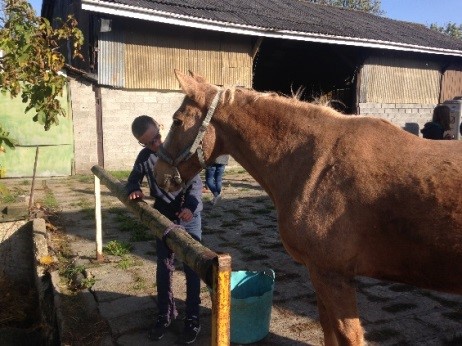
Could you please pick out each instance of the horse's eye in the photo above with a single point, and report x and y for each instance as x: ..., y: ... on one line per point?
x: 177, y: 122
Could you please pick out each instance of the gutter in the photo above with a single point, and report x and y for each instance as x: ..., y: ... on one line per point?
x: 208, y: 24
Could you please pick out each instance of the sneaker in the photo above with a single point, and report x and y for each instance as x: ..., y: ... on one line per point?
x: 158, y: 331
x: 192, y: 327
x: 216, y: 199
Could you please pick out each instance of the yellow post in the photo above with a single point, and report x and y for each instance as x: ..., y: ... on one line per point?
x: 221, y: 301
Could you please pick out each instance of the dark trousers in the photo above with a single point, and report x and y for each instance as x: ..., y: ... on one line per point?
x: 165, y: 268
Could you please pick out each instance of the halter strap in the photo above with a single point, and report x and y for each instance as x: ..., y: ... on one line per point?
x: 196, y: 146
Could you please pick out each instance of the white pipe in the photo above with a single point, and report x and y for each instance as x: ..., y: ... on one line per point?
x: 99, y: 228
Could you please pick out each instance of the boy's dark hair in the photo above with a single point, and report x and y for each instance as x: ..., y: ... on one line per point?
x: 141, y: 123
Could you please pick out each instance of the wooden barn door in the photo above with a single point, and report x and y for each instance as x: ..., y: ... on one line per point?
x: 451, y: 83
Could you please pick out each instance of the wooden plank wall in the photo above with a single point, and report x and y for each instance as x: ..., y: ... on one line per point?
x: 451, y: 85
x: 389, y: 80
x: 151, y: 56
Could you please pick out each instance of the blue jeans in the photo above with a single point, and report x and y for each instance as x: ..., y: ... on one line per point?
x: 214, y: 178
x: 165, y: 268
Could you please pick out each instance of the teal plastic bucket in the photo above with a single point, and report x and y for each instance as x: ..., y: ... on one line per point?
x: 251, y: 302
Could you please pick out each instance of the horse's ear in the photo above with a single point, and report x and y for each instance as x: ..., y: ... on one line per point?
x: 191, y: 86
x: 200, y: 79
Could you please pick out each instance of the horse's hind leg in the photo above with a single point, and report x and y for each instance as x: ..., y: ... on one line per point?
x: 338, y: 312
x: 327, y: 328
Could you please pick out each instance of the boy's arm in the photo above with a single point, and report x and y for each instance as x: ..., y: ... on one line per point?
x: 135, y: 178
x: 194, y: 194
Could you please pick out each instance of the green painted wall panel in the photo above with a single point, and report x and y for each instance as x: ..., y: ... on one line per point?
x: 56, y: 151
x: 51, y: 161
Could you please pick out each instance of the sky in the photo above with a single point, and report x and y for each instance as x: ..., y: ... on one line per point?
x: 424, y: 12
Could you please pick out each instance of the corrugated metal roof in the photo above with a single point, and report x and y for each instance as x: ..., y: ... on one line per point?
x: 289, y: 19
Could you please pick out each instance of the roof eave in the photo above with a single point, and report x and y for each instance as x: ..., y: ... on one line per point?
x: 207, y: 24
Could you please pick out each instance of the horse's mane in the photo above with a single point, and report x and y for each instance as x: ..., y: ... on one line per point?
x: 229, y: 93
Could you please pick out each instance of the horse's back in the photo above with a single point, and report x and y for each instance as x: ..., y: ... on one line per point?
x: 390, y: 202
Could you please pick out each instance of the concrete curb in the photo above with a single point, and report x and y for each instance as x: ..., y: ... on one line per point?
x: 51, y: 297
x: 49, y: 313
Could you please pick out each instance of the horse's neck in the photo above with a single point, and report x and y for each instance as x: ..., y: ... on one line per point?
x: 262, y: 140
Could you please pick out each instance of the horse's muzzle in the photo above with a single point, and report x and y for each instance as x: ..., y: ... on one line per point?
x: 169, y: 182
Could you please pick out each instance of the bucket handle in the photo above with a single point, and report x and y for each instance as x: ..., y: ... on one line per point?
x: 268, y: 272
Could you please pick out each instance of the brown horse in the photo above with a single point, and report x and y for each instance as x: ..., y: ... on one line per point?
x: 354, y: 195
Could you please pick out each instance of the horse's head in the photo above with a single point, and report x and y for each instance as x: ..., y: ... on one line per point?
x: 191, y: 140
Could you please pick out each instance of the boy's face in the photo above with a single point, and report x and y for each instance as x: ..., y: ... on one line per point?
x: 151, y: 138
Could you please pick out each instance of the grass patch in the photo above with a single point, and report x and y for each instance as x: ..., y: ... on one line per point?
x: 83, y: 203
x: 49, y: 200
x: 139, y: 282
x: 120, y: 175
x: 117, y: 248
x: 9, y: 195
x: 141, y: 235
x: 127, y: 262
x: 76, y: 277
x: 116, y: 210
x: 139, y: 232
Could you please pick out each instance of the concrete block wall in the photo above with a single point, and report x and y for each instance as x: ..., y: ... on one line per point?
x: 409, y: 116
x: 84, y: 122
x: 120, y: 107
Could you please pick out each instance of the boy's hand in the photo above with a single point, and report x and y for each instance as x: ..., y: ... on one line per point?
x: 136, y: 194
x: 185, y: 215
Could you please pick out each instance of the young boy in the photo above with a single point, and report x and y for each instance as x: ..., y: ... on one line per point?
x: 181, y: 208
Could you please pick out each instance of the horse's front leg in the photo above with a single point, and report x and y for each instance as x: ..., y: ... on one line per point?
x: 338, y: 312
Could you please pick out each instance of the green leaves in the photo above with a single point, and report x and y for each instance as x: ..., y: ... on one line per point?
x: 451, y: 29
x: 6, y: 139
x: 31, y: 61
x: 371, y: 6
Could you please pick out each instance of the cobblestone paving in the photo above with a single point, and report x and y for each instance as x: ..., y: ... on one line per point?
x: 244, y: 225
